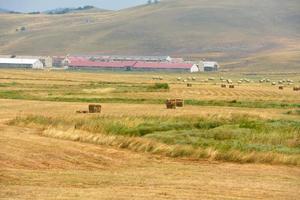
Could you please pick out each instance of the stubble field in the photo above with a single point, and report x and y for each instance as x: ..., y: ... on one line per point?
x: 240, y: 143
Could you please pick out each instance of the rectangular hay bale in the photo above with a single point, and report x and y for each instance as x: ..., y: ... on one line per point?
x: 179, y: 102
x: 171, y: 104
x: 95, y: 108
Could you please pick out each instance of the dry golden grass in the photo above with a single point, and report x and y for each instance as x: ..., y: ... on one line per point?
x: 33, y: 166
x: 12, y: 108
x: 42, y: 83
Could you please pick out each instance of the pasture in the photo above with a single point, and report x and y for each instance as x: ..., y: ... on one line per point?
x: 221, y: 134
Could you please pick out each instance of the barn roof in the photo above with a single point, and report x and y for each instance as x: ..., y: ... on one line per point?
x: 18, y: 61
x: 83, y: 62
x: 210, y: 64
x: 124, y: 57
x: 163, y: 65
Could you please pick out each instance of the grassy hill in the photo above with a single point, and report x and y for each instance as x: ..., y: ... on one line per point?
x: 243, y: 35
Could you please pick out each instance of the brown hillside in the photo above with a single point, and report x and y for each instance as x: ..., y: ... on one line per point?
x: 240, y: 34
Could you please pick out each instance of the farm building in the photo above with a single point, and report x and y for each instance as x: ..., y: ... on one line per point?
x: 208, y: 66
x: 177, y: 60
x: 21, y: 63
x: 46, y: 60
x: 84, y: 63
x: 129, y: 58
x: 59, y: 61
x: 166, y: 66
x: 76, y: 62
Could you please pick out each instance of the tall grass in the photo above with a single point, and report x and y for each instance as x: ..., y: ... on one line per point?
x: 238, y: 138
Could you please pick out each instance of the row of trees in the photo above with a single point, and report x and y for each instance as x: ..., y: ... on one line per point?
x: 67, y: 10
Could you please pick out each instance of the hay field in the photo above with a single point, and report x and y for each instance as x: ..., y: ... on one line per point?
x: 137, y: 149
x: 105, y: 85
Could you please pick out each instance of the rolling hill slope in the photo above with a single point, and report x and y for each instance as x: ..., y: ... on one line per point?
x: 243, y: 35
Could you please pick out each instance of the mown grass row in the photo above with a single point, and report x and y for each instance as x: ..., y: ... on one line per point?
x: 237, y: 139
x: 18, y: 94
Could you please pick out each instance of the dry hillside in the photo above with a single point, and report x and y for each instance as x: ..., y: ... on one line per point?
x: 250, y: 35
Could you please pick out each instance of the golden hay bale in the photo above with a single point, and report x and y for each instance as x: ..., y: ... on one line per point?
x: 231, y: 86
x: 95, y: 108
x: 189, y: 85
x: 171, y: 103
x: 296, y: 88
x: 179, y: 102
x: 223, y: 86
x: 280, y: 87
x: 174, y: 103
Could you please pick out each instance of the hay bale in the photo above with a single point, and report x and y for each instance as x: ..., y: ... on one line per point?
x: 189, y: 85
x: 171, y: 103
x: 296, y: 88
x: 280, y: 87
x: 194, y: 78
x: 174, y: 103
x: 223, y: 86
x: 95, y: 108
x: 273, y: 83
x: 231, y: 86
x: 179, y: 103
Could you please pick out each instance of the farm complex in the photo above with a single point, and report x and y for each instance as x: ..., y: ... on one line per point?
x: 150, y: 100
x: 128, y: 63
x: 106, y: 133
x: 105, y: 126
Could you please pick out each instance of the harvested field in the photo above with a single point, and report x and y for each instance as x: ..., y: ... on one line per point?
x: 83, y: 171
x: 50, y: 152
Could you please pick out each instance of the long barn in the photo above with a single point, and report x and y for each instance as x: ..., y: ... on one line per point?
x: 21, y: 63
x: 83, y: 63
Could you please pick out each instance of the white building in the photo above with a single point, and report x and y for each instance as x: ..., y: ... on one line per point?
x: 208, y: 66
x: 46, y: 60
x: 194, y: 68
x: 21, y: 63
